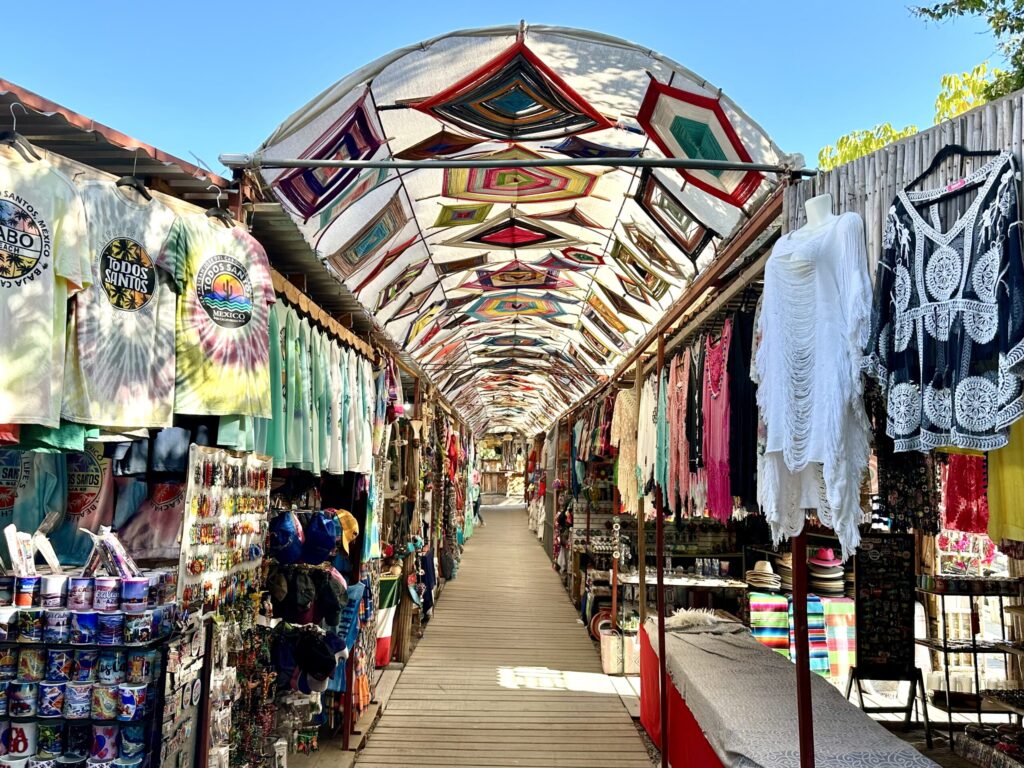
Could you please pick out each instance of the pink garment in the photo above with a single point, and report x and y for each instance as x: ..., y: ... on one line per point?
x: 716, y: 423
x: 679, y: 448
x: 965, y: 480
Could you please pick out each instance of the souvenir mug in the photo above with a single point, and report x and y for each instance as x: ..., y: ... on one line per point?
x: 133, y: 740
x: 104, y: 702
x: 85, y: 666
x: 153, y: 598
x: 22, y: 739
x: 60, y: 665
x: 104, y: 741
x: 110, y: 628
x: 132, y: 701
x: 30, y: 625
x: 84, y: 627
x: 26, y: 591
x: 56, y: 625
x: 53, y: 590
x: 128, y: 762
x: 13, y: 761
x: 6, y: 590
x: 51, y: 738
x: 78, y: 740
x: 8, y: 663
x: 77, y: 701
x: 4, y: 727
x: 107, y: 593
x: 39, y: 760
x: 96, y: 762
x: 112, y: 667
x: 31, y: 664
x: 140, y: 667
x: 134, y: 593
x: 3, y: 703
x: 138, y: 627
x: 51, y: 699
x: 22, y: 698
x: 80, y: 593
x: 9, y: 623
x: 71, y: 760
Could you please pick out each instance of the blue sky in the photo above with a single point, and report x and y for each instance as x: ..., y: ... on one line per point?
x: 216, y: 77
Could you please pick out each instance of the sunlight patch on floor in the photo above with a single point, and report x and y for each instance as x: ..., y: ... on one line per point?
x: 544, y: 679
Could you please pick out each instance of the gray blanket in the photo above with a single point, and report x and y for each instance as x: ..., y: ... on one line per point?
x: 743, y: 695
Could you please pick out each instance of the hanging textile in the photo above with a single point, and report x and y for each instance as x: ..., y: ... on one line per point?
x: 814, y: 324
x: 908, y: 493
x: 716, y: 423
x: 647, y: 434
x: 623, y: 437
x: 947, y: 328
x: 742, y: 412
x: 1005, y: 491
x: 662, y: 436
x: 769, y: 621
x: 964, y: 480
x: 816, y: 635
x: 678, y: 457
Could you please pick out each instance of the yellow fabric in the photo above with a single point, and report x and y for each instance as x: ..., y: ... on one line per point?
x: 1006, y: 488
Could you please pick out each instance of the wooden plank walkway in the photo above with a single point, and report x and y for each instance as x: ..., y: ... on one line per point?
x: 505, y: 675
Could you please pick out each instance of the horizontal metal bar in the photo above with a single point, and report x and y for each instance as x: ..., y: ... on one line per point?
x: 256, y: 161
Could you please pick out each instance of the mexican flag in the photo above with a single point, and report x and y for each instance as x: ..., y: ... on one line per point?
x: 386, y: 617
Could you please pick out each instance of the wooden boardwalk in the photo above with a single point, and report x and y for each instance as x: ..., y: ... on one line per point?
x: 505, y: 674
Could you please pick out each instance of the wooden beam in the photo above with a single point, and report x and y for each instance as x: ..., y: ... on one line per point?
x: 303, y: 303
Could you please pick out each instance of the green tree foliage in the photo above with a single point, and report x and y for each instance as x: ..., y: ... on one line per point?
x: 965, y: 91
x: 1006, y: 20
x: 859, y: 143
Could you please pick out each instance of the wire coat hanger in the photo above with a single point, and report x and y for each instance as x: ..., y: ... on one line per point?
x: 218, y: 212
x: 14, y: 139
x: 948, y: 151
x: 133, y: 181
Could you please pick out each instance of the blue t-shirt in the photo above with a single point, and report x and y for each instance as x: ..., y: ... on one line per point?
x: 32, y: 484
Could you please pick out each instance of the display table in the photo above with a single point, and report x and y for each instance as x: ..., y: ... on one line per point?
x: 732, y: 704
x: 693, y: 582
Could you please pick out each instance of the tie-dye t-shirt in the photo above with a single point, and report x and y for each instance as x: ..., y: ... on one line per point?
x: 43, y: 261
x: 120, y: 365
x: 90, y: 504
x: 225, y: 293
x: 32, y: 485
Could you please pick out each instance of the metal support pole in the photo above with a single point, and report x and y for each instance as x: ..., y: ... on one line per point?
x: 659, y: 512
x: 257, y: 161
x: 641, y: 531
x: 805, y: 717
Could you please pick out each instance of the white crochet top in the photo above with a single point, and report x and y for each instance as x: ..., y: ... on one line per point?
x: 813, y: 327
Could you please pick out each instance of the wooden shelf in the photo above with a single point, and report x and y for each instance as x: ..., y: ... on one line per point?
x: 1004, y: 706
x: 982, y: 646
x: 925, y: 591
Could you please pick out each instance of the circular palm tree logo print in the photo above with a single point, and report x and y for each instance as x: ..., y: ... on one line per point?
x: 128, y: 275
x: 225, y: 291
x: 21, y: 243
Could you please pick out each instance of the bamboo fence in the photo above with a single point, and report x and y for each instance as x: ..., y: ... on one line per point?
x: 869, y: 184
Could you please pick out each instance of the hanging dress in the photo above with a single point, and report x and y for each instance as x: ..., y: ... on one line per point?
x: 695, y: 428
x: 964, y: 480
x: 716, y: 423
x: 742, y: 412
x: 947, y: 339
x: 813, y: 327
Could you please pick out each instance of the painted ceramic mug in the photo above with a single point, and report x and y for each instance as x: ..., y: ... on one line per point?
x: 110, y: 628
x: 134, y: 593
x: 31, y: 664
x: 140, y: 667
x: 22, y: 739
x: 104, y: 702
x: 56, y: 625
x: 22, y: 698
x: 132, y: 702
x: 80, y: 593
x: 85, y: 666
x: 8, y: 663
x: 78, y: 739
x: 30, y: 625
x: 26, y: 591
x: 8, y: 623
x: 53, y: 590
x: 112, y: 667
x: 84, y: 627
x: 51, y: 699
x: 51, y: 738
x: 138, y: 627
x: 60, y: 665
x: 104, y: 741
x: 133, y: 740
x: 77, y: 701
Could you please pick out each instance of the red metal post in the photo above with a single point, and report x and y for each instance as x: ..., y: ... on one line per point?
x: 805, y: 716
x: 659, y: 565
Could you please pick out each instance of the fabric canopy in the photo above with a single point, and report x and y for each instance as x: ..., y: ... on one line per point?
x: 517, y: 289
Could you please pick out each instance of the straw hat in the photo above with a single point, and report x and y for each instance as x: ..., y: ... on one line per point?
x: 825, y: 556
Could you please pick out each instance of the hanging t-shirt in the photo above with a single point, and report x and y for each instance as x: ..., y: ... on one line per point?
x: 223, y: 350
x: 43, y: 262
x: 120, y: 363
x: 276, y: 442
x: 155, y: 530
x: 90, y: 504
x: 31, y: 486
x: 293, y: 397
